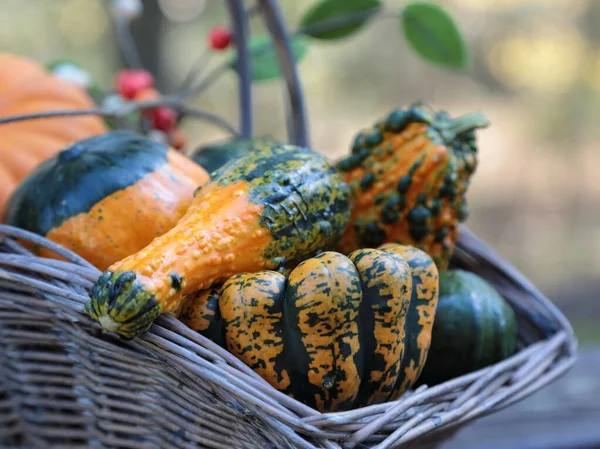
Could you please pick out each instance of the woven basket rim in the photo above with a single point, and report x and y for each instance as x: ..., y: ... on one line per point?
x: 416, y: 416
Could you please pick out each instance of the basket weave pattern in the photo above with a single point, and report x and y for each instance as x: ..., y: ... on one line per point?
x: 64, y: 383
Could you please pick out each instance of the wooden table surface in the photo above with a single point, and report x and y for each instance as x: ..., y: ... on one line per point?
x: 563, y: 415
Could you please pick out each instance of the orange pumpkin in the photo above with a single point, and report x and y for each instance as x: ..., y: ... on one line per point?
x: 27, y: 87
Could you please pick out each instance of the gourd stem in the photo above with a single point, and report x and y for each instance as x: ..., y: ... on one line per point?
x: 466, y: 123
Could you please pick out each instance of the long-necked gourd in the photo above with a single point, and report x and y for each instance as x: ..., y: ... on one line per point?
x: 264, y: 210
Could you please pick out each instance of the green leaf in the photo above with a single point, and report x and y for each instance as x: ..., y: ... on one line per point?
x: 434, y: 35
x: 265, y: 62
x: 336, y: 19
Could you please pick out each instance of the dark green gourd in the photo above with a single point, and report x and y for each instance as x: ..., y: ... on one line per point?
x: 474, y: 327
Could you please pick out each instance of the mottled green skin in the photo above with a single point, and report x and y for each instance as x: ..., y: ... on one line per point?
x: 306, y: 202
x: 305, y: 206
x: 214, y: 156
x: 120, y: 296
x: 474, y: 328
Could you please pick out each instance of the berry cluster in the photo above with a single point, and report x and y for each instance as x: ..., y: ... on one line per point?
x: 138, y: 85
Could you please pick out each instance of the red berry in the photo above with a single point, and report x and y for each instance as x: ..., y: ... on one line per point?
x: 129, y: 82
x: 164, y: 119
x: 219, y: 38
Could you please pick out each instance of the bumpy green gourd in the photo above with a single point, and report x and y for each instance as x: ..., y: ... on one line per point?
x: 409, y: 174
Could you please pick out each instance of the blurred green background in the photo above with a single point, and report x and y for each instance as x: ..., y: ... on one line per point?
x: 535, y: 73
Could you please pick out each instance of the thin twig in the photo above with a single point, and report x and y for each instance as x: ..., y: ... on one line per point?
x: 111, y: 111
x: 187, y: 111
x: 253, y: 11
x: 174, y: 101
x: 60, y: 113
x: 213, y: 76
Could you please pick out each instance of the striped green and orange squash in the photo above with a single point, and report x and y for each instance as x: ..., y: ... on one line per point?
x: 409, y: 174
x: 200, y: 311
x: 422, y: 311
x: 107, y: 196
x: 266, y: 209
x: 339, y: 332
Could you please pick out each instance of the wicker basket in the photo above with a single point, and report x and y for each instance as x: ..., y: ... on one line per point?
x: 65, y: 384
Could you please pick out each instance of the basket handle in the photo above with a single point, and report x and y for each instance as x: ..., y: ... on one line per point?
x: 296, y: 116
x: 297, y: 127
x: 239, y: 26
